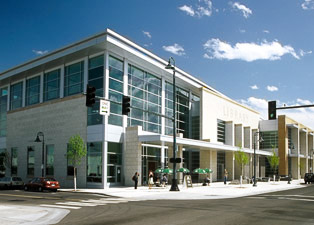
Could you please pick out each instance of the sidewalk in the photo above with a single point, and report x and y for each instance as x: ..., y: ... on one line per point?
x: 216, y: 190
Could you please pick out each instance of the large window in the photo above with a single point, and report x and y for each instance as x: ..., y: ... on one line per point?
x: 114, y: 162
x: 95, y: 79
x: 30, y: 161
x: 195, y: 117
x: 70, y: 167
x: 94, y: 162
x: 3, y: 158
x: 52, y: 85
x: 270, y: 140
x: 145, y: 92
x: 16, y: 94
x: 32, y: 90
x: 14, y: 161
x: 50, y: 160
x: 221, y: 131
x: 3, y: 111
x: 115, y: 90
x: 182, y: 111
x: 74, y: 79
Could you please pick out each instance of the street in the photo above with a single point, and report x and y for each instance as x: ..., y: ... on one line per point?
x: 284, y: 207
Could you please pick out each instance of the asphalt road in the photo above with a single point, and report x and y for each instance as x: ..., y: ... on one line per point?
x: 286, y: 207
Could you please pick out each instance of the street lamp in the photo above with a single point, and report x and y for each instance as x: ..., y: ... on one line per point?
x: 289, y: 162
x: 311, y: 160
x: 254, y: 144
x: 174, y: 185
x: 43, y: 152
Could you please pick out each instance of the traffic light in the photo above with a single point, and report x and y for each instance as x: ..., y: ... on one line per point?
x: 90, y: 96
x: 272, y: 110
x: 126, y: 105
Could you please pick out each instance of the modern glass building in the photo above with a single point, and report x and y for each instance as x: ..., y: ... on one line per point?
x: 46, y: 95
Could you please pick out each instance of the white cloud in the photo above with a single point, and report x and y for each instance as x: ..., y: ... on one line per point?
x: 188, y: 9
x: 174, y: 49
x: 266, y: 31
x: 242, y: 31
x: 249, y: 52
x: 304, y: 116
x: 204, y: 8
x: 272, y: 88
x: 303, y: 53
x: 254, y: 87
x: 147, y: 34
x: 39, y: 52
x: 245, y: 10
x: 308, y: 4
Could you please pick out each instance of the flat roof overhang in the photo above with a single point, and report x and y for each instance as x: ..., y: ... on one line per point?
x: 195, y: 144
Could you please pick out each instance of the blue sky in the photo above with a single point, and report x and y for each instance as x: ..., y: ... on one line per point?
x: 252, y: 51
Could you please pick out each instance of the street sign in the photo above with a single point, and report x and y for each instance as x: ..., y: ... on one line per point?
x: 104, y: 107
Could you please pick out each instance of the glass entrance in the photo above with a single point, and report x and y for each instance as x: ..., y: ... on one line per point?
x: 118, y: 175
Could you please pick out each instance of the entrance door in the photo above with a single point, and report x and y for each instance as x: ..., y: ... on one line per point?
x: 118, y: 174
x: 220, y: 172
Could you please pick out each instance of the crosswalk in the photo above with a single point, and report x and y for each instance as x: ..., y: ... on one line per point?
x: 87, y: 203
x: 305, y: 198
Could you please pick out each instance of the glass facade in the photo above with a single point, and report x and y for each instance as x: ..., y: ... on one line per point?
x: 115, y: 90
x: 221, y: 131
x: 114, y: 162
x: 2, y: 162
x: 3, y: 111
x: 182, y: 111
x: 16, y: 95
x: 30, y: 161
x: 195, y: 117
x: 14, y: 161
x: 270, y: 140
x: 32, y: 91
x: 94, y: 162
x: 50, y: 160
x: 221, y: 161
x: 73, y: 79
x: 145, y: 91
x: 52, y: 85
x: 95, y: 79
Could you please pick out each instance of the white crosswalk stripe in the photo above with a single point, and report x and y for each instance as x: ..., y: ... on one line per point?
x: 304, y: 198
x: 89, y: 203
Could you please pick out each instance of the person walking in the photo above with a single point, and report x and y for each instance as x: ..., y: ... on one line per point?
x: 150, y: 179
x: 135, y: 179
x: 225, y: 176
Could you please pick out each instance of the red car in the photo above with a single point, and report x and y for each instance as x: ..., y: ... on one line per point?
x: 42, y: 183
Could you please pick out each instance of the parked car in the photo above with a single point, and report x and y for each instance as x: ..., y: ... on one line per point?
x: 308, y: 177
x: 11, y: 182
x: 41, y: 184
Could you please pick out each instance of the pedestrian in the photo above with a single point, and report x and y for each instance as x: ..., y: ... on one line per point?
x: 150, y: 179
x: 164, y: 180
x: 135, y: 179
x: 225, y: 176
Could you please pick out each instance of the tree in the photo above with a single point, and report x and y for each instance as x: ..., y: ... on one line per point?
x: 242, y: 158
x: 273, y: 161
x: 5, y: 162
x: 76, y: 151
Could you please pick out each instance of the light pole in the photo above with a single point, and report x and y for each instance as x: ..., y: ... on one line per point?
x: 174, y: 185
x: 254, y: 144
x: 289, y: 162
x: 311, y: 160
x: 43, y: 152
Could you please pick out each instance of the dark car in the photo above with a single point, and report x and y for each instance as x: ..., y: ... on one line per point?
x: 41, y: 184
x: 308, y: 178
x: 11, y: 182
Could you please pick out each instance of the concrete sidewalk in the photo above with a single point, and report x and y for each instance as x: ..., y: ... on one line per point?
x: 216, y: 190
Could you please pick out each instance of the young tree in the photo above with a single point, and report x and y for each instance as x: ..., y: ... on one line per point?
x: 242, y: 158
x: 76, y: 151
x: 273, y: 161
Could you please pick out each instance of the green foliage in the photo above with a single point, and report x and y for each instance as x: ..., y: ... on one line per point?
x: 76, y: 150
x: 273, y: 161
x: 242, y: 158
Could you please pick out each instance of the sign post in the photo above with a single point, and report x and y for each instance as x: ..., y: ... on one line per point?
x: 104, y: 108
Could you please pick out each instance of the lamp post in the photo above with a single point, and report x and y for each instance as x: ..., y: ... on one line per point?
x: 174, y: 185
x: 289, y: 166
x: 43, y: 152
x: 311, y: 160
x: 254, y: 144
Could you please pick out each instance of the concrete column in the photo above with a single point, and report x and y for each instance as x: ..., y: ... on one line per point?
x: 295, y: 169
x: 62, y: 72
x: 163, y: 104
x: 125, y: 87
x: 238, y: 140
x: 85, y: 75
x: 247, y: 137
x: 230, y: 165
x: 162, y: 154
x: 213, y: 165
x: 133, y: 155
x: 41, y: 87
x: 24, y: 92
x: 9, y: 98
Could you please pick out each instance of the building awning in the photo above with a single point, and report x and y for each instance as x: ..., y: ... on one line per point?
x: 195, y: 144
x: 293, y: 125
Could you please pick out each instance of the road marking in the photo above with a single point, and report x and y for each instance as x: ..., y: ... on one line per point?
x: 76, y: 203
x: 257, y: 197
x: 61, y: 206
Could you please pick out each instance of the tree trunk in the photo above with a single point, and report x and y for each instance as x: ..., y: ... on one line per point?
x: 74, y: 178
